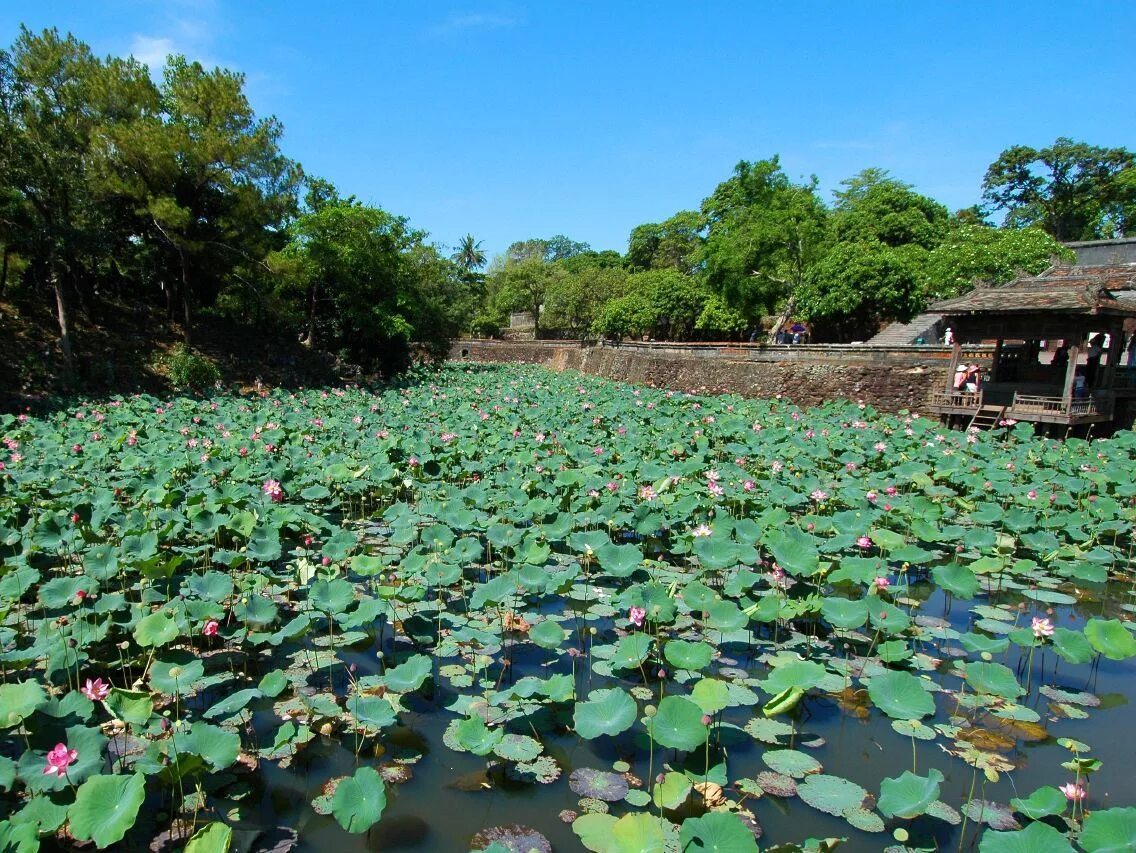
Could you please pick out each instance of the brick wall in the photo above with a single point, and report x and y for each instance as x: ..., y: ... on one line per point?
x: 890, y: 379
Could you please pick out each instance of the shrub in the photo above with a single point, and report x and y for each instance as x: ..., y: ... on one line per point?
x: 186, y: 369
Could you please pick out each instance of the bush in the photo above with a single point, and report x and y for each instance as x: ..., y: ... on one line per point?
x: 186, y: 369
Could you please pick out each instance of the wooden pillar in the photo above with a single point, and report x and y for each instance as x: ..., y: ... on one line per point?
x: 956, y: 356
x: 996, y: 359
x: 1107, y: 374
x: 1071, y: 369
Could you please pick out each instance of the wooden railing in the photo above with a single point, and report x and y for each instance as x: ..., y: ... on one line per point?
x: 955, y: 399
x: 1031, y: 404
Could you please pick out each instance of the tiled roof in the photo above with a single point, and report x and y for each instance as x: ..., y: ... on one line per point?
x: 1112, y: 276
x: 1072, y: 294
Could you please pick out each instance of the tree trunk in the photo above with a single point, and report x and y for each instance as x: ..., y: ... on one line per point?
x: 310, y: 337
x: 4, y: 272
x: 64, y: 325
x: 787, y: 315
x: 187, y: 319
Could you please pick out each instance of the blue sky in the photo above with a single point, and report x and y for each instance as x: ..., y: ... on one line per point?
x: 513, y: 120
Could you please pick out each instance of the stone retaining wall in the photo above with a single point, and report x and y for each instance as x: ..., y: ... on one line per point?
x: 888, y: 378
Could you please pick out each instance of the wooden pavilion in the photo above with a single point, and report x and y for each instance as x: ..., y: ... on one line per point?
x: 1025, y: 318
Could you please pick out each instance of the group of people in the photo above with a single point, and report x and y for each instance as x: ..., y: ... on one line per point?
x: 968, y: 377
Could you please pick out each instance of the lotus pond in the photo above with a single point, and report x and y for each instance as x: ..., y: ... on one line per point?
x: 504, y: 609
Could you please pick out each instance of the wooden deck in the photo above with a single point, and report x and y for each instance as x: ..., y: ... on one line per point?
x: 1034, y: 408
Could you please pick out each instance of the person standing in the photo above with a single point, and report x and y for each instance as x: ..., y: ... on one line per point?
x: 1093, y: 360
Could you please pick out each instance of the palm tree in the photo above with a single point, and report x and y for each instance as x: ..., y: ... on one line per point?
x: 469, y: 255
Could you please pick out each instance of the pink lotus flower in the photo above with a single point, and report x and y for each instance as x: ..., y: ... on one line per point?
x: 1072, y: 791
x: 1041, y: 628
x: 96, y: 690
x: 864, y: 542
x: 819, y: 495
x: 274, y: 490
x: 749, y: 485
x: 59, y: 759
x: 1032, y: 494
x: 881, y: 583
x: 637, y: 615
x: 701, y: 530
x: 872, y: 497
x: 210, y: 629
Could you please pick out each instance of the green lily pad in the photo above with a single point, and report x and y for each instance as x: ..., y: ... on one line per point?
x: 106, y: 807
x: 721, y: 832
x: 908, y: 795
x: 609, y: 711
x: 548, y: 634
x: 672, y: 791
x: 476, y: 737
x: 359, y: 800
x: 901, y: 696
x: 791, y: 762
x: 1110, y: 638
x: 1109, y: 831
x: 993, y: 679
x: 830, y: 794
x: 1035, y: 838
x: 687, y: 655
x: 678, y: 724
x: 19, y: 701
x: 1043, y: 802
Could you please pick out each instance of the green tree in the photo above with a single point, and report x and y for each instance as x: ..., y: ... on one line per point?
x: 57, y: 102
x: 359, y: 281
x: 209, y: 179
x: 573, y: 300
x: 524, y: 285
x: 468, y: 255
x: 557, y: 248
x: 861, y: 285
x: 662, y: 303
x: 973, y: 254
x: 764, y: 234
x: 875, y: 207
x: 675, y: 243
x: 1072, y: 190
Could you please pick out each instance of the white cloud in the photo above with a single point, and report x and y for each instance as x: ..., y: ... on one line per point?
x: 152, y: 52
x: 476, y: 21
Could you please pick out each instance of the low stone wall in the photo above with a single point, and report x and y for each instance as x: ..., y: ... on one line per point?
x: 888, y: 378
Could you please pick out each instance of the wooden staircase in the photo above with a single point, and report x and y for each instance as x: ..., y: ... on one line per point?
x: 986, y: 417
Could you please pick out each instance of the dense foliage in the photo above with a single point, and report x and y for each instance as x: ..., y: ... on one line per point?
x: 114, y: 187
x: 499, y: 576
x: 117, y: 190
x: 764, y: 249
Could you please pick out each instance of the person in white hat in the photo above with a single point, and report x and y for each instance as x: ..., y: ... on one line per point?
x: 972, y: 378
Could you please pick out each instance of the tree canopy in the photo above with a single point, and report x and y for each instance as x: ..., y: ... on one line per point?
x: 1072, y: 190
x: 117, y: 187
